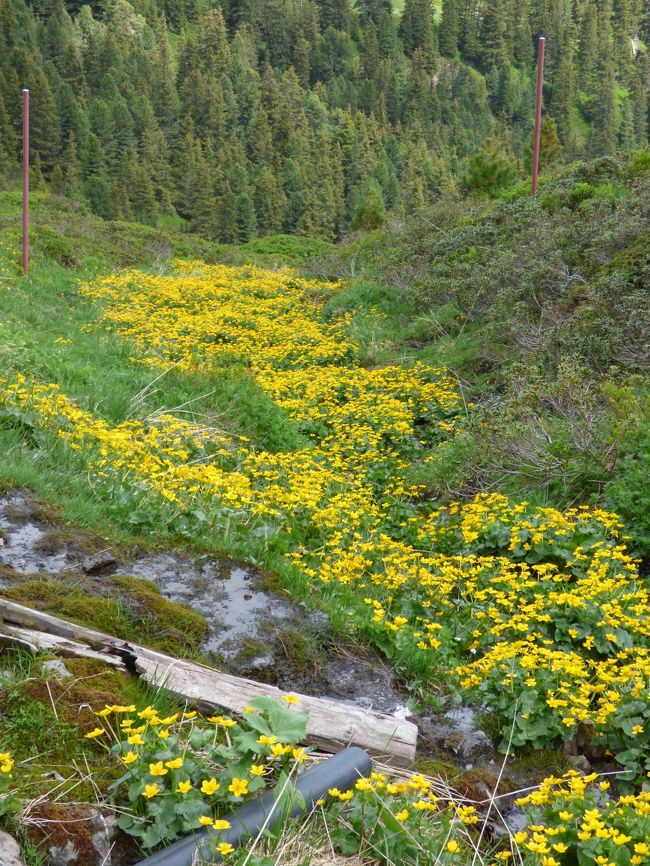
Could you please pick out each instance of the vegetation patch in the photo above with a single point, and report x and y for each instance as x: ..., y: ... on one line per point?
x: 126, y: 607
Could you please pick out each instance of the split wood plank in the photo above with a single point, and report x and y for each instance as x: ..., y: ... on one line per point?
x: 332, y: 725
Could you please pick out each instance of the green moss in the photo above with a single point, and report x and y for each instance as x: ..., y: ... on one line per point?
x: 439, y: 766
x: 43, y: 722
x: 135, y: 612
x: 537, y: 764
x: 57, y: 539
x: 172, y: 626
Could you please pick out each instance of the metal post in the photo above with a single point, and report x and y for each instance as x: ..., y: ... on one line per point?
x: 538, y: 113
x: 25, y: 182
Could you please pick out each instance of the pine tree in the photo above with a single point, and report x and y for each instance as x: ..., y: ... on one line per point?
x: 603, y: 133
x: 416, y: 29
x: 370, y: 213
x: 449, y: 28
x: 270, y: 202
x: 492, y: 35
x: 45, y: 132
x: 491, y: 169
x: 550, y: 149
x: 335, y: 13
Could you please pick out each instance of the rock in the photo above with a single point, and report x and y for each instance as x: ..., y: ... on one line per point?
x: 9, y: 851
x: 454, y: 732
x: 513, y: 821
x: 55, y: 668
x: 262, y: 663
x: 80, y: 834
x: 95, y: 563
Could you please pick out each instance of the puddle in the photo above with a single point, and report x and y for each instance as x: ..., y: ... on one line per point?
x: 21, y: 538
x: 253, y: 631
x: 239, y: 611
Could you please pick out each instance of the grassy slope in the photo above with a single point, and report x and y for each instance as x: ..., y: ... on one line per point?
x: 70, y: 245
x: 541, y: 309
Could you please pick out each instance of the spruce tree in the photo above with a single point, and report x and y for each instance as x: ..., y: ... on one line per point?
x: 370, y: 213
x: 449, y: 28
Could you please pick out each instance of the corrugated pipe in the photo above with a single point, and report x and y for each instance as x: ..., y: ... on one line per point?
x: 341, y: 771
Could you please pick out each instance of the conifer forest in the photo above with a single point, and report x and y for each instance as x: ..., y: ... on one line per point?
x: 241, y: 119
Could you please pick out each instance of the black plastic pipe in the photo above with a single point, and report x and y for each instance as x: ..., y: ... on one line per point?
x: 342, y: 772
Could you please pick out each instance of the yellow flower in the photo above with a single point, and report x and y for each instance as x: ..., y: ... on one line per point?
x: 7, y: 766
x: 257, y: 769
x: 148, y: 713
x: 169, y: 720
x: 221, y: 824
x: 452, y: 845
x: 105, y: 712
x: 97, y: 732
x: 263, y: 740
x: 299, y: 755
x: 225, y: 848
x: 135, y: 740
x: 402, y: 815
x: 163, y: 734
x: 174, y: 764
x: 238, y: 787
x: 291, y: 699
x: 206, y: 820
x: 130, y: 757
x: 191, y: 715
x: 157, y: 769
x: 184, y: 787
x: 209, y: 786
x: 151, y: 790
x: 278, y: 750
x: 249, y: 709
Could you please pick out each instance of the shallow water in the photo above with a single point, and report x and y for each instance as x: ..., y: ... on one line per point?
x: 250, y: 626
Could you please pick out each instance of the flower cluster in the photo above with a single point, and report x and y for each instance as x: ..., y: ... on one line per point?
x: 573, y: 819
x: 8, y: 802
x: 536, y: 612
x: 183, y: 771
x: 402, y: 820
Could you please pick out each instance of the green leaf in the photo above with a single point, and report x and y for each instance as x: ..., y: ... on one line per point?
x: 346, y: 841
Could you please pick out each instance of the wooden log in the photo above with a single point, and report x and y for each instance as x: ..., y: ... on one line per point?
x: 39, y: 641
x: 332, y: 725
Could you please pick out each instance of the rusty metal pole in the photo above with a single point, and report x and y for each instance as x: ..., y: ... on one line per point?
x: 538, y: 112
x: 25, y: 182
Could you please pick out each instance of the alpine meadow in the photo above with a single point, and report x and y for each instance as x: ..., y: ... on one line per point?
x: 324, y: 433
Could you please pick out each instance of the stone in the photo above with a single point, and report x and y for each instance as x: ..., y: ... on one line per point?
x: 513, y: 821
x: 55, y: 668
x: 80, y: 834
x: 456, y: 732
x: 9, y: 851
x: 99, y: 561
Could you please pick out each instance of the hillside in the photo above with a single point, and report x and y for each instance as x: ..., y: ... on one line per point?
x: 420, y: 439
x: 240, y: 119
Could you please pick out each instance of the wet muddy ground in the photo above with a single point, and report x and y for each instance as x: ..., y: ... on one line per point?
x: 258, y: 632
x: 253, y: 630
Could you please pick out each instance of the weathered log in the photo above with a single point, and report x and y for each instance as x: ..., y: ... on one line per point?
x: 38, y: 641
x: 332, y: 725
